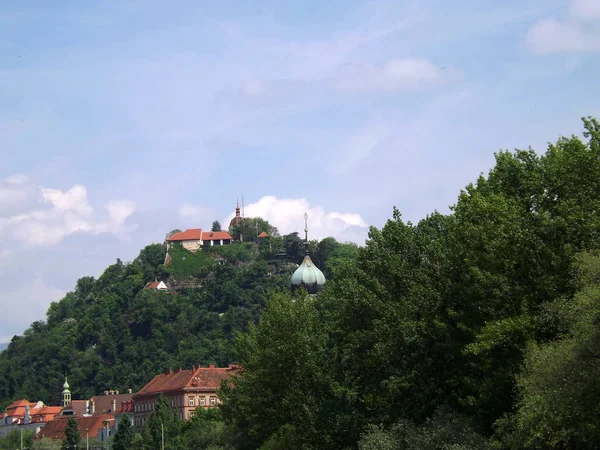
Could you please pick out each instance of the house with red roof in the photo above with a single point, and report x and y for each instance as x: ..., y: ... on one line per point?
x: 193, y: 239
x: 90, y: 427
x: 27, y: 415
x: 185, y: 390
x: 156, y: 286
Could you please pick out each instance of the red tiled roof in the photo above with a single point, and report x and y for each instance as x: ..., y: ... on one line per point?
x: 152, y: 285
x: 45, y: 414
x: 55, y: 429
x: 125, y: 407
x: 191, y: 234
x: 198, y: 377
x: 215, y: 235
x: 79, y: 407
x: 263, y: 234
x: 102, y: 403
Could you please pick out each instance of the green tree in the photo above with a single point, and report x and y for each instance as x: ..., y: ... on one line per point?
x: 205, y: 430
x: 163, y: 423
x: 284, y: 378
x: 72, y: 436
x: 125, y: 434
x: 12, y: 440
x: 216, y: 226
x: 559, y: 389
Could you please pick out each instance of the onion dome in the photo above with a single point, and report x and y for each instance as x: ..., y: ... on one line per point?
x: 237, y: 219
x: 308, y: 276
x: 66, y: 385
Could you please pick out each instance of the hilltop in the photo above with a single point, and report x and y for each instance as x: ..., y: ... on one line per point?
x: 111, y: 333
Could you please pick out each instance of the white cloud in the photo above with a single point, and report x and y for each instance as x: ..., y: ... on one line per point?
x: 578, y: 32
x: 288, y: 216
x: 48, y: 215
x: 120, y: 210
x: 585, y: 9
x: 396, y: 74
x: 75, y: 199
x: 553, y: 36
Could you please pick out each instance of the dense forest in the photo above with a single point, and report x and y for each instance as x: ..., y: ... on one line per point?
x: 110, y: 333
x: 475, y: 329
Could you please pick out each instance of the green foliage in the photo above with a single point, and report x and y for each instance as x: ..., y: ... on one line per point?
x: 285, y: 376
x: 444, y: 431
x: 12, y: 440
x: 250, y: 227
x: 559, y: 391
x: 109, y: 333
x: 125, y: 434
x: 431, y: 336
x: 72, y: 436
x: 163, y: 424
x: 186, y: 264
x: 205, y: 430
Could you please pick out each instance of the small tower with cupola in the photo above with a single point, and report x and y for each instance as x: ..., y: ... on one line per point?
x: 66, y: 393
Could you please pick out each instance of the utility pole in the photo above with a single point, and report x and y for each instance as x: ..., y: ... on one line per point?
x: 87, y: 439
x: 162, y: 437
x: 21, y: 438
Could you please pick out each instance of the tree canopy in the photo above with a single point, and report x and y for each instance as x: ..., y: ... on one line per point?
x: 469, y: 330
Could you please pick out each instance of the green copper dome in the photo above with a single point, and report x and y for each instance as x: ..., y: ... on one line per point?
x: 308, y: 275
x: 66, y: 385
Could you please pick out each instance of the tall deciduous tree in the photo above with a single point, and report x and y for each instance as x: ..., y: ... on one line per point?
x: 216, y: 226
x: 279, y: 396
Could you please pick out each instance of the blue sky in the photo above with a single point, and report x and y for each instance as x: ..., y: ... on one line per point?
x: 120, y: 121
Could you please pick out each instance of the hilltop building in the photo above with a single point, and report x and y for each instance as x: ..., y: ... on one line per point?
x: 193, y: 239
x: 307, y: 275
x: 156, y: 286
x: 185, y: 390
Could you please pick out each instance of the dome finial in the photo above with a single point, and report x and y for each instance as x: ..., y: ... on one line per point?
x: 306, y: 233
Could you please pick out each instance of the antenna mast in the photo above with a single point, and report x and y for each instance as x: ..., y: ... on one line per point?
x: 243, y: 213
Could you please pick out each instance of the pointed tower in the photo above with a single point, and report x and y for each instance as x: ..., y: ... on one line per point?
x: 236, y: 220
x: 308, y: 276
x: 66, y: 393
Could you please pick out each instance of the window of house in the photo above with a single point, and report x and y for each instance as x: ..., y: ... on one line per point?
x: 191, y: 401
x: 213, y: 401
x: 202, y: 401
x: 192, y: 414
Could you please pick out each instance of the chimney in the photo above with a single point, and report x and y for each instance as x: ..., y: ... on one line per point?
x: 116, y: 392
x: 113, y: 406
x: 129, y: 391
x: 92, y: 407
x: 105, y: 392
x: 211, y: 366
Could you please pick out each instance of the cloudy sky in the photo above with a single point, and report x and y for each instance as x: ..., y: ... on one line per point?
x: 120, y: 121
